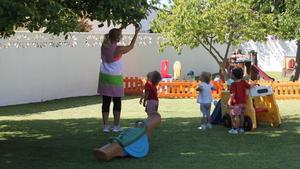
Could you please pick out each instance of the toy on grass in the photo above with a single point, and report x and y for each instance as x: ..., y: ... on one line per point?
x: 164, y: 69
x: 261, y: 107
x: 132, y: 142
x: 177, y: 70
x: 190, y: 76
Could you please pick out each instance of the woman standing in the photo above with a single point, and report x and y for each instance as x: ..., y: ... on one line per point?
x: 110, y: 78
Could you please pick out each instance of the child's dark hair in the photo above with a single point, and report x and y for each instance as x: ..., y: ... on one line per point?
x: 237, y: 73
x: 149, y: 74
x: 205, y: 77
x: 155, y: 77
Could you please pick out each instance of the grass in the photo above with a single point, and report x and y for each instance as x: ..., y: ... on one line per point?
x: 278, y: 76
x: 62, y: 134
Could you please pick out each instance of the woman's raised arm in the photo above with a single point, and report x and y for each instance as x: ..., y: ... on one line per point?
x: 125, y: 49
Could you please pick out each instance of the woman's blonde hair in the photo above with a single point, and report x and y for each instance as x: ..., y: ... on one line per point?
x: 106, y: 41
x: 113, y: 36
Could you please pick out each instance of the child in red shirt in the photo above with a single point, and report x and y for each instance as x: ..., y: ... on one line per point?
x: 146, y: 84
x: 237, y: 100
x: 150, y: 100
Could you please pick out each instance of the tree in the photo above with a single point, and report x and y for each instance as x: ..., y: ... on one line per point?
x: 209, y: 22
x: 287, y: 19
x: 289, y: 28
x: 62, y: 16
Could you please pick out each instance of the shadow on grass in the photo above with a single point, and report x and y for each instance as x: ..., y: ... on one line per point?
x: 176, y: 144
x: 59, y: 104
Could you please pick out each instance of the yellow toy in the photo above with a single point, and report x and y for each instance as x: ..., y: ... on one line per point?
x: 177, y: 70
x: 261, y: 107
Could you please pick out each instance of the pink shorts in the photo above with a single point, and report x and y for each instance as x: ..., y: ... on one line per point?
x: 152, y: 106
x: 237, y: 109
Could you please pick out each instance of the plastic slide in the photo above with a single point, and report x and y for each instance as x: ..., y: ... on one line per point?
x: 216, y: 116
x: 262, y: 74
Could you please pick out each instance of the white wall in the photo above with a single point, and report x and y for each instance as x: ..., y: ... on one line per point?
x: 271, y: 53
x: 39, y: 74
x: 145, y: 58
x: 32, y: 74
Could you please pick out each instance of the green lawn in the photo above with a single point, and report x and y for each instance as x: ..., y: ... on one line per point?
x: 278, y: 76
x: 62, y: 134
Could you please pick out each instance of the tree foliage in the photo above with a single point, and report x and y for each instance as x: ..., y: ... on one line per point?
x: 289, y: 28
x: 287, y: 18
x: 209, y: 22
x: 62, y: 16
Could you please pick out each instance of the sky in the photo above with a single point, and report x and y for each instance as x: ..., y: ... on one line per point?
x: 166, y: 2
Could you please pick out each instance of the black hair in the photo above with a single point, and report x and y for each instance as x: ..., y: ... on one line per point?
x: 149, y: 74
x: 155, y: 77
x: 238, y: 73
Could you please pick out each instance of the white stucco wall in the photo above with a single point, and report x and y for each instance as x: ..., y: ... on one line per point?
x: 29, y: 73
x: 32, y: 74
x: 271, y: 53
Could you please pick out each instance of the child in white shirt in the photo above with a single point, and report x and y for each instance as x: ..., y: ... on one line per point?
x: 205, y: 99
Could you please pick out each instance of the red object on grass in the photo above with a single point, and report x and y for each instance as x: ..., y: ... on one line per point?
x: 164, y: 69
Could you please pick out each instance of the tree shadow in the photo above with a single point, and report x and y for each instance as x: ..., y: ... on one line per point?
x: 52, y: 105
x: 176, y: 144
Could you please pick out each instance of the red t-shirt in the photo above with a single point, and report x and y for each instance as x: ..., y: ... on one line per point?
x: 239, y: 90
x: 151, y: 90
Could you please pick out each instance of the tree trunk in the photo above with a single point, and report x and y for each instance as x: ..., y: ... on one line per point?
x: 295, y: 76
x: 223, y: 71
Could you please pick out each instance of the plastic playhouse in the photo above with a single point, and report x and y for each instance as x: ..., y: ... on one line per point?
x: 261, y: 108
x: 249, y: 63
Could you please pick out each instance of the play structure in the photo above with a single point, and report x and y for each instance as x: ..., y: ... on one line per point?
x: 249, y: 63
x: 261, y: 107
x: 132, y: 142
x: 261, y: 73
